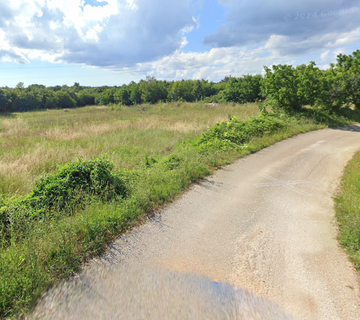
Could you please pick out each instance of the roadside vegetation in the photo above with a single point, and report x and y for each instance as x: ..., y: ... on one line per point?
x: 73, y: 180
x: 348, y: 210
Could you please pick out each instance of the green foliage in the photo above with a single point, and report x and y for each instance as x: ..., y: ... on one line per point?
x: 243, y: 90
x: 65, y: 100
x: 234, y: 132
x: 93, y: 177
x: 347, y: 71
x: 73, y: 186
x: 85, y: 98
x: 332, y: 96
x: 50, y: 245
x: 173, y: 161
x: 280, y: 84
x: 149, y: 161
x: 135, y: 93
x: 348, y: 210
x: 153, y: 91
x: 289, y: 89
x: 182, y: 91
x: 122, y: 96
x: 106, y: 97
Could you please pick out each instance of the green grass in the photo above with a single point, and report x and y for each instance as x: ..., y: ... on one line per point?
x: 158, y: 150
x: 35, y: 143
x: 348, y: 210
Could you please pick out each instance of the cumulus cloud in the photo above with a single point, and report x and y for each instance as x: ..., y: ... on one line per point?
x: 97, y: 32
x: 292, y: 25
x: 146, y: 37
x: 211, y: 65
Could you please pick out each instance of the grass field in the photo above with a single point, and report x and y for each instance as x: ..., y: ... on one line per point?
x: 35, y: 143
x: 156, y: 147
x: 348, y: 210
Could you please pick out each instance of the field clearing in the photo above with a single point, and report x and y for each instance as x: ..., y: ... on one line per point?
x: 157, y: 152
x: 36, y: 143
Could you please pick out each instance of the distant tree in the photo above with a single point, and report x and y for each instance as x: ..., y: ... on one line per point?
x: 85, y: 98
x: 20, y: 85
x: 226, y: 79
x: 50, y: 99
x: 153, y: 91
x: 106, y: 97
x: 182, y: 90
x: 242, y: 90
x: 135, y: 93
x: 5, y: 101
x: 64, y: 99
x: 122, y: 96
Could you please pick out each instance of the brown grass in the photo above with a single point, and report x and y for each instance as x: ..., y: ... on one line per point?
x: 35, y: 143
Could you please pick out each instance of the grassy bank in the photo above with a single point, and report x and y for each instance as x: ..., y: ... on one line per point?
x: 49, y: 226
x: 348, y: 210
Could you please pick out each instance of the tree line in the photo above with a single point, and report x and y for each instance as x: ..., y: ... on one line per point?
x: 286, y: 88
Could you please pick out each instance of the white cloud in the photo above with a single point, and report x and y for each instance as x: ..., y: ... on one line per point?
x: 212, y: 65
x: 115, y: 33
x: 148, y: 37
x: 252, y: 22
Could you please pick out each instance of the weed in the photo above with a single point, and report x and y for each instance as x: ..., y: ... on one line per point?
x: 348, y: 210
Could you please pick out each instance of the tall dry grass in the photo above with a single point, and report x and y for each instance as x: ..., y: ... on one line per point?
x: 35, y: 143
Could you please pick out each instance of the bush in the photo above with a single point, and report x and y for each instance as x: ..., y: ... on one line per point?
x: 93, y: 177
x: 73, y: 186
x: 233, y: 133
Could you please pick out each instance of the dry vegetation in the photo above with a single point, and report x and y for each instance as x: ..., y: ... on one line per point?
x: 36, y: 143
x: 50, y: 227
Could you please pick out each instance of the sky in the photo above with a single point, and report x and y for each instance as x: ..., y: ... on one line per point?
x: 114, y: 42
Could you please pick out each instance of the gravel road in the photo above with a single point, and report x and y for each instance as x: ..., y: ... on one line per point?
x: 261, y: 227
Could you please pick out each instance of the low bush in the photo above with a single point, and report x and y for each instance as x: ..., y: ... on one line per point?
x: 94, y: 177
x: 234, y: 132
x: 73, y: 186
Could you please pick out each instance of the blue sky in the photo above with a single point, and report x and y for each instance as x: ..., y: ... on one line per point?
x: 112, y: 42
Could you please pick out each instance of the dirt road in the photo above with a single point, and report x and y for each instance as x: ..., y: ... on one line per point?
x: 265, y: 224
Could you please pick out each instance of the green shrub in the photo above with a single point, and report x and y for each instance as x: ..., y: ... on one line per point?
x: 172, y: 161
x: 94, y: 177
x: 234, y: 132
x: 73, y: 186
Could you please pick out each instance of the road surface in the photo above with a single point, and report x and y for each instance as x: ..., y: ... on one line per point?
x: 265, y: 224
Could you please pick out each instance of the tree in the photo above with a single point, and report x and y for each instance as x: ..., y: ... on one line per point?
x: 289, y: 89
x: 5, y: 101
x: 64, y: 99
x: 20, y: 85
x: 122, y: 96
x: 85, y: 98
x: 347, y: 72
x: 153, y: 91
x: 135, y: 93
x: 242, y: 90
x: 309, y: 84
x: 182, y: 91
x: 106, y: 97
